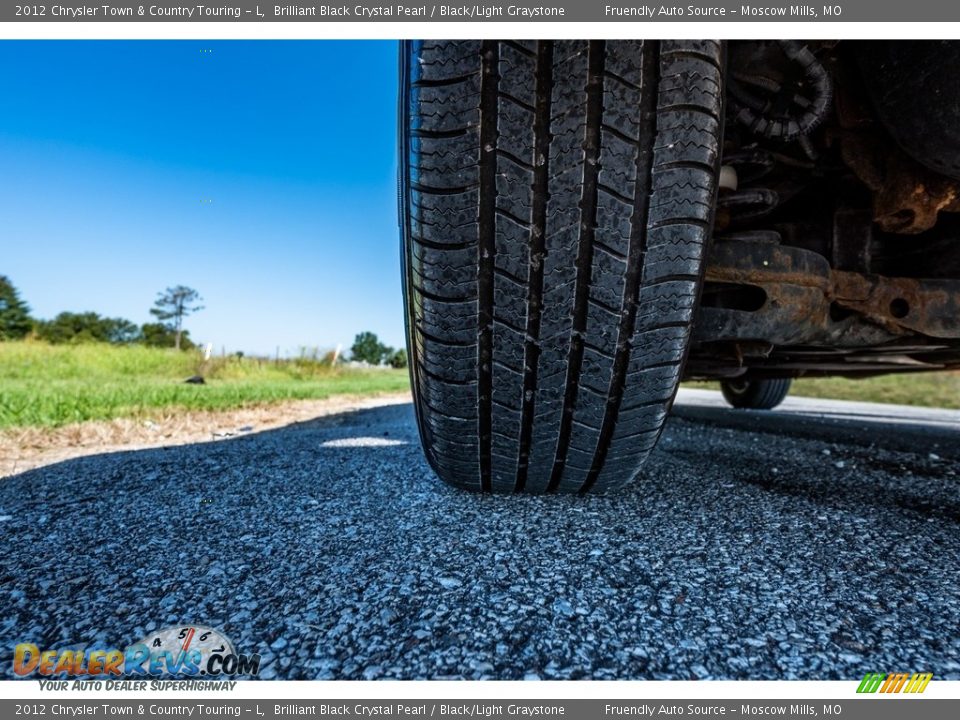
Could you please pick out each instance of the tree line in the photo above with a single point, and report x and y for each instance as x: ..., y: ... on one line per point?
x: 170, y: 308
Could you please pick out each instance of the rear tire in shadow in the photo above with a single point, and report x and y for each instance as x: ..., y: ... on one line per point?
x: 755, y: 394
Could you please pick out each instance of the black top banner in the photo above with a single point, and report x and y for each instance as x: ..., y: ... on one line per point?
x: 522, y: 11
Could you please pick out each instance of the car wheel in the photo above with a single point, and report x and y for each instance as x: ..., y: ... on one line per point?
x: 755, y: 394
x: 556, y: 202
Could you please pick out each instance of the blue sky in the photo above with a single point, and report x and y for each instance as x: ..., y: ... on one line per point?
x: 260, y: 173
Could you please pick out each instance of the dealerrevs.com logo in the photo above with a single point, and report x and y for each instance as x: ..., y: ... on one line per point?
x: 178, y: 650
x: 894, y: 682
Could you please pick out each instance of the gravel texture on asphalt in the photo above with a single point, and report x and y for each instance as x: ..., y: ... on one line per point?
x: 330, y: 548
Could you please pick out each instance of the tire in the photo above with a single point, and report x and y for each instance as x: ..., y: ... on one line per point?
x: 753, y: 394
x: 557, y: 199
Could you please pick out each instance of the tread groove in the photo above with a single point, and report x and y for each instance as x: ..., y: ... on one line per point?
x: 430, y: 190
x: 621, y: 79
x: 609, y: 250
x: 520, y: 48
x: 487, y: 248
x: 684, y: 165
x: 518, y: 101
x: 614, y: 193
x: 693, y: 55
x: 439, y: 298
x: 442, y: 246
x: 538, y: 230
x: 637, y: 250
x: 446, y: 381
x: 513, y: 218
x: 680, y: 221
x: 620, y: 135
x: 497, y: 320
x: 514, y: 159
x: 442, y: 341
x: 588, y: 219
x: 516, y: 280
x: 439, y: 134
x: 442, y: 81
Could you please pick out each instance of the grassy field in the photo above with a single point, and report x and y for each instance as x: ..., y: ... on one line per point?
x: 940, y: 389
x: 47, y: 385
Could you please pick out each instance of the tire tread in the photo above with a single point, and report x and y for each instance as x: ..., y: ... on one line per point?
x: 558, y: 202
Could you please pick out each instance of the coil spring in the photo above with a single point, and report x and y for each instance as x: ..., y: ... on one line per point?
x: 776, y: 110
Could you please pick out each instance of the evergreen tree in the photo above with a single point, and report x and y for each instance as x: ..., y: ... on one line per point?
x: 15, y: 322
x: 172, y: 306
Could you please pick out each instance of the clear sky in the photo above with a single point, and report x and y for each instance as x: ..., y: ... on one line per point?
x: 263, y: 174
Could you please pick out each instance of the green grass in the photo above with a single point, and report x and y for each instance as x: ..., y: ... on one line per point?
x: 47, y: 385
x: 52, y: 385
x: 938, y: 389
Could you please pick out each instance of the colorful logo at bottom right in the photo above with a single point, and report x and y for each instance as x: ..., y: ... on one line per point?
x: 895, y: 683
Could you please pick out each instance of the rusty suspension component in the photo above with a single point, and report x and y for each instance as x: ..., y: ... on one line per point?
x: 806, y: 302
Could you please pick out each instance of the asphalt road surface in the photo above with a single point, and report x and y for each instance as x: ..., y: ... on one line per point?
x: 819, y: 541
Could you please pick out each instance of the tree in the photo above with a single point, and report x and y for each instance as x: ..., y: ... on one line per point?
x: 398, y: 358
x: 368, y: 348
x: 172, y: 306
x: 15, y: 322
x: 160, y: 335
x: 71, y: 327
x: 87, y: 327
x: 121, y: 331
